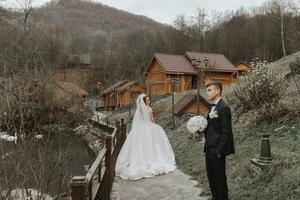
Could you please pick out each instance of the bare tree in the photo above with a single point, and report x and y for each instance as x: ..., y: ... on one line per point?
x: 200, y: 24
x: 282, y: 10
x: 26, y: 104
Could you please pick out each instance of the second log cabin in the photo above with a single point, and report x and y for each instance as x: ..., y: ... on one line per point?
x: 121, y: 93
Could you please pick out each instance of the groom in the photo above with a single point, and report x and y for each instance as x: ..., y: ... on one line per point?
x: 219, y: 141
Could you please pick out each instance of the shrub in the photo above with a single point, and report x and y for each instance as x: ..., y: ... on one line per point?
x: 295, y: 66
x: 263, y: 85
x: 276, y: 112
x: 295, y: 69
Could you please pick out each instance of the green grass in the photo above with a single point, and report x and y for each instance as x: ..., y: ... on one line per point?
x: 280, y: 181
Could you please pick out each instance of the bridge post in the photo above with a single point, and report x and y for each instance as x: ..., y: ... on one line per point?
x: 123, y: 131
x: 108, y: 159
x: 118, y: 125
x: 116, y: 147
x: 78, y: 186
x: 108, y: 145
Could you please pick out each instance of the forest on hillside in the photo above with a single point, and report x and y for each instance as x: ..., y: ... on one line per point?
x: 122, y: 43
x: 268, y: 32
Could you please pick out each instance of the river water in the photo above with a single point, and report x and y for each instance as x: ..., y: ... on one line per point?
x: 64, y: 156
x: 77, y: 159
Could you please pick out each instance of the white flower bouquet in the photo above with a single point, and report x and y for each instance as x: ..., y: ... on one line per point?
x: 196, y: 124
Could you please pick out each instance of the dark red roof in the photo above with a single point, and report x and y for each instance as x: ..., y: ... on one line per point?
x: 126, y: 85
x: 116, y: 85
x: 174, y: 64
x: 72, y: 88
x: 183, y: 104
x: 216, y: 62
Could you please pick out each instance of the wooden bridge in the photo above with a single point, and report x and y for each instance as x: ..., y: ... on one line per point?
x: 97, y: 183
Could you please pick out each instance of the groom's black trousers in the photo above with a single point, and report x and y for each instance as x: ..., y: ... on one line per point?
x: 216, y: 173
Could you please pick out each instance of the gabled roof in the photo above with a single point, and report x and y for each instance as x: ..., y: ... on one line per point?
x: 185, y: 102
x: 216, y: 62
x: 173, y: 64
x: 116, y: 85
x: 72, y: 88
x: 242, y: 66
x: 126, y: 85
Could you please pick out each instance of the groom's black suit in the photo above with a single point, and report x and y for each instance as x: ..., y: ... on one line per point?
x: 219, y: 144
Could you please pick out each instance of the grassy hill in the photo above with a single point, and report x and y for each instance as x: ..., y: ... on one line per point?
x: 280, y: 181
x: 284, y: 62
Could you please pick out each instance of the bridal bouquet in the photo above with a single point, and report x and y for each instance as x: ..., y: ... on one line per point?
x: 196, y: 124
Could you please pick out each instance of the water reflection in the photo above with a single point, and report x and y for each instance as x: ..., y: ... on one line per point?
x: 47, y: 164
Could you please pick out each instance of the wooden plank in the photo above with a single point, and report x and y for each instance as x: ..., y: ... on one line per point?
x: 95, y: 190
x: 114, y: 133
x: 101, y: 125
x: 98, y: 181
x: 95, y: 165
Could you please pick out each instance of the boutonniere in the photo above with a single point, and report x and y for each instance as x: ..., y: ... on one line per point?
x: 213, y: 113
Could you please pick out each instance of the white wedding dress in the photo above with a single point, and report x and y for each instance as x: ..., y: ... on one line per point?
x: 147, y: 151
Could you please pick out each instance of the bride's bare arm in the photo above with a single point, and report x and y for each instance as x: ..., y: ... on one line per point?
x: 152, y: 117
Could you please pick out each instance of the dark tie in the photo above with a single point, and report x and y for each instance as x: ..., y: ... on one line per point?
x: 212, y: 105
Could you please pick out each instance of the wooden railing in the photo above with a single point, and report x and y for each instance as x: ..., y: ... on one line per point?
x: 97, y: 183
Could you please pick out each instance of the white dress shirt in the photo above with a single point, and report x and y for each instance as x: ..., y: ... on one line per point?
x: 216, y: 101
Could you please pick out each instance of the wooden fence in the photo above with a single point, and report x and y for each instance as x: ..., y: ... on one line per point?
x: 97, y: 183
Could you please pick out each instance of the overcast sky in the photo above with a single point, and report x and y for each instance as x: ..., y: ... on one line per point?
x: 165, y: 11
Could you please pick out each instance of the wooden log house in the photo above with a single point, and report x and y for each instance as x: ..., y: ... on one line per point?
x: 111, y: 95
x: 121, y: 93
x: 165, y: 66
x: 241, y: 68
x: 129, y: 92
x: 65, y: 93
x: 162, y: 67
x: 218, y: 68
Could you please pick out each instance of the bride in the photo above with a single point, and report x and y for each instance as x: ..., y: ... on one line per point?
x: 147, y: 151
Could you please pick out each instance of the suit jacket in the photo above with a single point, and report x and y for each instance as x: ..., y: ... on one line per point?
x: 218, y: 133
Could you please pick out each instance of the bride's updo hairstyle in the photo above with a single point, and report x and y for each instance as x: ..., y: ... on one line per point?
x: 144, y: 98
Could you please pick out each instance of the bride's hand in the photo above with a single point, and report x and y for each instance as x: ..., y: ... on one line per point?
x: 152, y: 119
x: 200, y: 135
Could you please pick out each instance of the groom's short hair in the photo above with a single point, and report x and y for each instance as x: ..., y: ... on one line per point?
x: 218, y: 85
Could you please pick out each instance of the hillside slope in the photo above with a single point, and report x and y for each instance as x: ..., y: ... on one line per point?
x: 284, y: 63
x: 118, y: 42
x: 96, y: 17
x: 280, y: 182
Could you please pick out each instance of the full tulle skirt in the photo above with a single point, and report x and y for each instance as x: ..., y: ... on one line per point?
x: 146, y: 152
